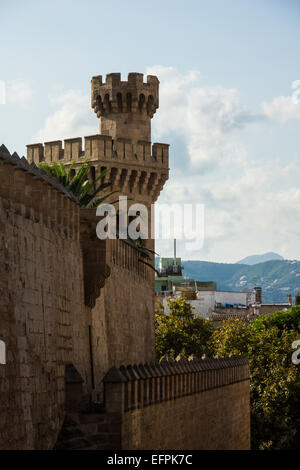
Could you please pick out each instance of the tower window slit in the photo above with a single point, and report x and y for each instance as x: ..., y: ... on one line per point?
x: 129, y: 101
x: 119, y: 103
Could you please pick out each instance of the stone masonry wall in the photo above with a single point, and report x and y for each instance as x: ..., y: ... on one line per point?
x: 123, y: 323
x: 195, y: 405
x: 214, y: 420
x: 136, y: 169
x: 189, y: 405
x: 41, y: 306
x: 54, y: 306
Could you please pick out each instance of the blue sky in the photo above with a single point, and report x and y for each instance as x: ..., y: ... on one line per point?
x: 226, y: 69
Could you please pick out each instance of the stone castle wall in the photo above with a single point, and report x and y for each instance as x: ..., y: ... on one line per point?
x: 129, y: 296
x: 203, y: 405
x: 56, y: 306
x: 217, y: 419
x: 103, y: 148
x: 125, y: 108
x: 122, y: 317
x: 41, y: 306
x: 136, y: 168
x: 183, y: 405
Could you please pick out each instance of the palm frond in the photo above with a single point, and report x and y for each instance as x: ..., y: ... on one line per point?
x: 69, y: 172
x: 148, y: 264
x: 96, y: 202
x: 84, y: 188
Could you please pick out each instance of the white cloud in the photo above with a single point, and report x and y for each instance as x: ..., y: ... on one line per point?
x: 250, y: 205
x: 252, y: 213
x: 72, y: 118
x: 282, y: 108
x: 18, y: 91
x: 206, y: 117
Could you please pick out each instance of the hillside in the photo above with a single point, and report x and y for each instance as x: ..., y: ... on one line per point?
x: 254, y: 259
x: 277, y: 278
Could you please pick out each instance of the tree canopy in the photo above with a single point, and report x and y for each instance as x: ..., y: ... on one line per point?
x: 180, y: 331
x: 267, y: 341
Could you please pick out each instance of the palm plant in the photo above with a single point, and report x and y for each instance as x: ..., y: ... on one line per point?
x: 86, y: 191
x: 144, y: 252
x: 83, y: 188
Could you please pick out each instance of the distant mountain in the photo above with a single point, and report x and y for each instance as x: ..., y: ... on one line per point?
x: 255, y: 259
x: 278, y: 278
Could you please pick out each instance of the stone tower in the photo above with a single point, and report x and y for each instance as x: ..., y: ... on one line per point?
x: 125, y: 108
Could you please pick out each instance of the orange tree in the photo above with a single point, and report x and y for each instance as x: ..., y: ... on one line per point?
x: 274, y: 379
x: 180, y: 331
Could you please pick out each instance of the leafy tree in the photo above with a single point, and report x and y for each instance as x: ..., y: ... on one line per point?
x: 180, y: 331
x: 289, y: 319
x: 274, y: 379
x: 84, y: 188
x: 297, y: 298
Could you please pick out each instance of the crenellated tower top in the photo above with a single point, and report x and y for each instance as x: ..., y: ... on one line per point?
x: 138, y: 168
x: 125, y: 108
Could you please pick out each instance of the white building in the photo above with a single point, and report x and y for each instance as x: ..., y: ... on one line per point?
x: 207, y: 301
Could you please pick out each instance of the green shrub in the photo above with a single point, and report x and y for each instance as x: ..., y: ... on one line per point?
x: 274, y: 379
x: 180, y: 331
x: 289, y: 319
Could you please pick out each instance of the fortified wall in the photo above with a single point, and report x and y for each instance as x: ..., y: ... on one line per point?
x: 184, y: 404
x: 55, y: 306
x: 137, y: 168
x: 200, y: 404
x: 43, y: 320
x: 77, y: 312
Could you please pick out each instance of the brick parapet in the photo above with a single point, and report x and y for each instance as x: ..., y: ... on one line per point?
x: 101, y: 147
x: 117, y: 96
x: 37, y: 196
x: 183, y: 404
x: 139, y: 386
x: 134, y: 169
x: 100, y: 257
x: 124, y: 254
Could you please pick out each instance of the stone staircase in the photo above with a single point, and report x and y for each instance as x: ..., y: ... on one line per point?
x: 90, y: 431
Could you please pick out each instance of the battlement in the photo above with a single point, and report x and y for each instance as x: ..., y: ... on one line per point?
x: 183, y: 404
x: 148, y: 384
x: 131, y: 96
x: 103, y: 148
x: 37, y: 197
